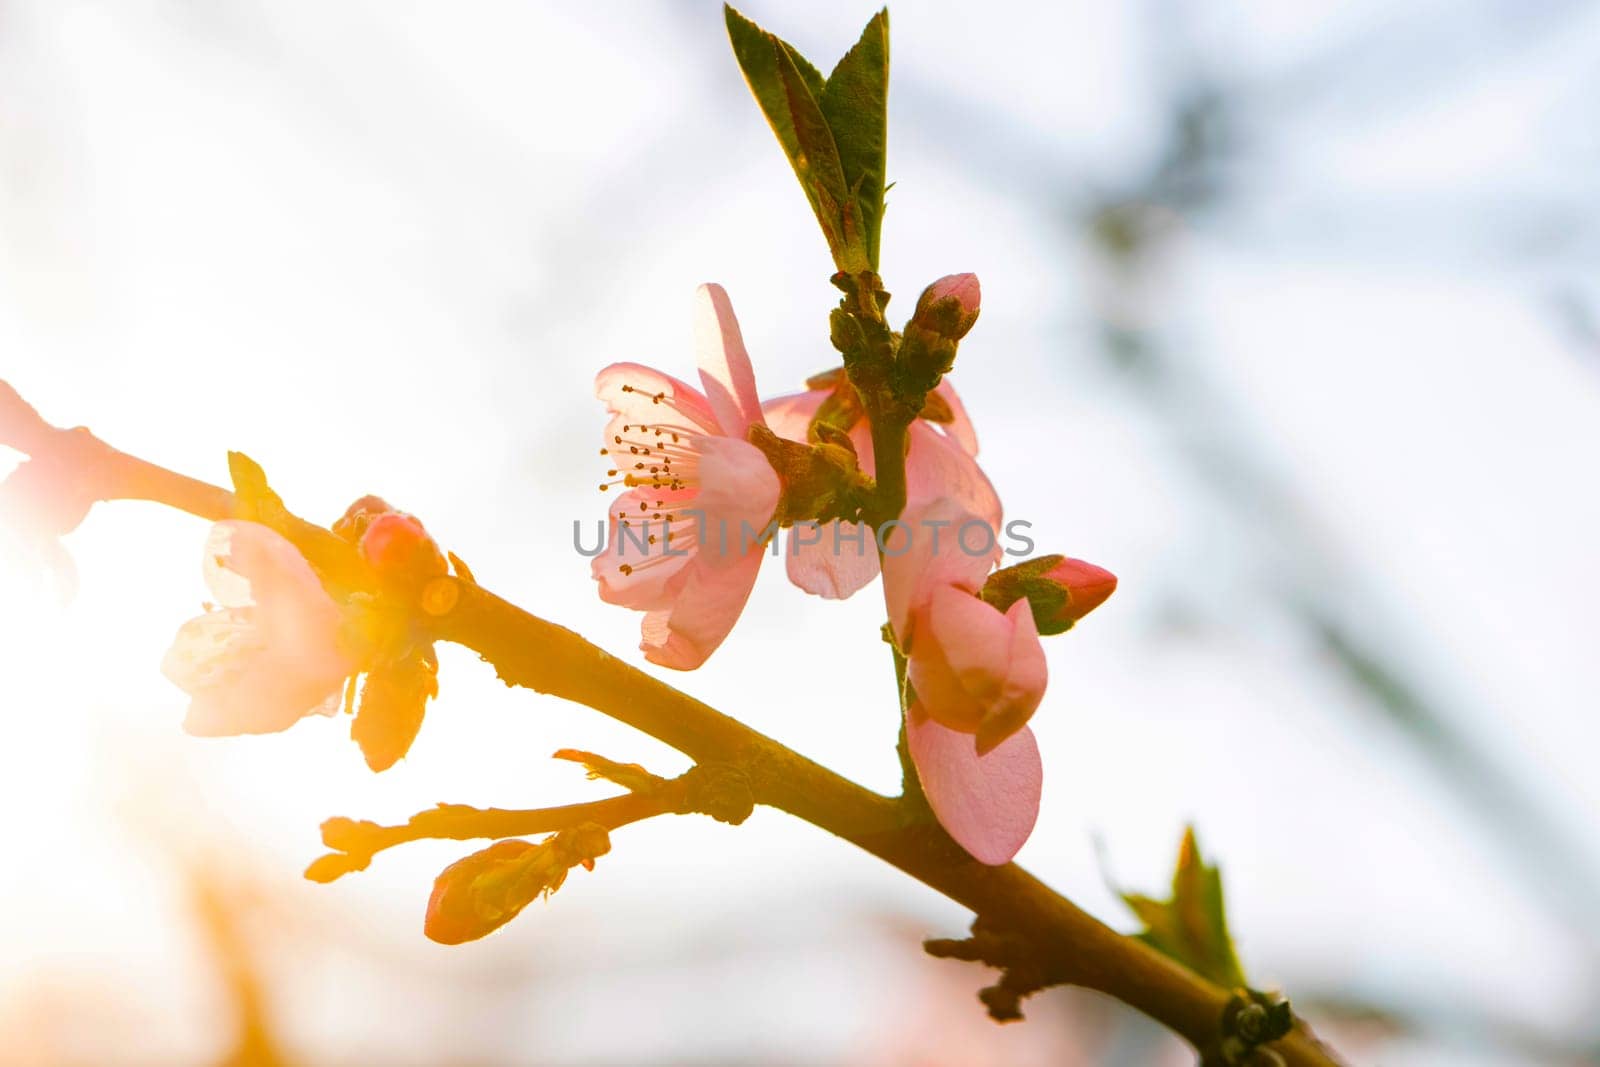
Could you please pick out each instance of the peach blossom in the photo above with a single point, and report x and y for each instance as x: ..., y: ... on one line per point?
x: 687, y: 534
x: 272, y: 651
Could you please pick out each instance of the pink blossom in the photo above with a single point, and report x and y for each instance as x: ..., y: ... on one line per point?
x: 978, y: 675
x: 272, y: 651
x: 686, y: 536
x: 940, y: 462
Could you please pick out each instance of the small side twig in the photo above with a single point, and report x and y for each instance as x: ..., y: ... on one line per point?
x: 717, y: 790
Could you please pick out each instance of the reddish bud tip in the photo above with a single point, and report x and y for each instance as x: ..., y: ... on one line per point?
x: 963, y: 287
x: 398, y: 547
x: 353, y: 523
x: 949, y: 306
x: 1087, y: 586
x: 1059, y: 590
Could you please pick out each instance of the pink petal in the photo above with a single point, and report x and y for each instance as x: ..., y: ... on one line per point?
x: 725, y: 370
x: 974, y: 637
x: 937, y: 467
x: 738, y: 496
x: 939, y: 690
x: 976, y: 670
x: 959, y: 428
x: 790, y: 416
x: 989, y: 804
x: 247, y: 563
x: 737, y: 486
x: 240, y: 683
x: 630, y: 392
x: 643, y: 588
x: 921, y: 555
x: 835, y: 567
x: 685, y: 635
x: 251, y: 711
x: 275, y: 654
x: 1027, y: 674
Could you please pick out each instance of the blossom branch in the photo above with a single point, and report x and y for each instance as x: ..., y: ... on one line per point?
x: 1068, y: 944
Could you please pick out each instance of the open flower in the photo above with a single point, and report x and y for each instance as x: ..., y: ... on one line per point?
x: 272, y: 651
x: 978, y: 675
x: 687, y: 533
x: 940, y: 462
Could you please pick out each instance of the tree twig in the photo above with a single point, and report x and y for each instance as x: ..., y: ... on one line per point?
x: 533, y: 653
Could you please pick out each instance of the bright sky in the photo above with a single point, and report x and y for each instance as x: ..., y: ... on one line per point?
x: 385, y: 251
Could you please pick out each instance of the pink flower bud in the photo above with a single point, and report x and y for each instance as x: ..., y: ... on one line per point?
x: 353, y: 523
x: 399, y: 548
x: 1086, y: 586
x: 1059, y: 590
x: 949, y: 306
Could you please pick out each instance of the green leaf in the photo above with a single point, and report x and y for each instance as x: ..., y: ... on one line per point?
x: 855, y: 101
x: 1192, y: 926
x: 832, y: 130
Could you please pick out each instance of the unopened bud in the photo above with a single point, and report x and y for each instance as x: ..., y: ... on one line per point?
x: 353, y: 523
x: 475, y: 896
x: 465, y: 904
x: 399, y: 548
x: 1058, y: 589
x: 949, y: 306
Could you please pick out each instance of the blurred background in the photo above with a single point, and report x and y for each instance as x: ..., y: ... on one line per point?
x: 1291, y: 320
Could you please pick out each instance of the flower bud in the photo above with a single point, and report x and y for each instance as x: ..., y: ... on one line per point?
x: 949, y: 306
x: 399, y: 548
x: 1058, y: 589
x: 469, y: 901
x: 353, y: 523
x: 475, y: 896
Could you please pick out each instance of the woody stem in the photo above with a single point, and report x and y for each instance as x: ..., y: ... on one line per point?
x: 889, y: 456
